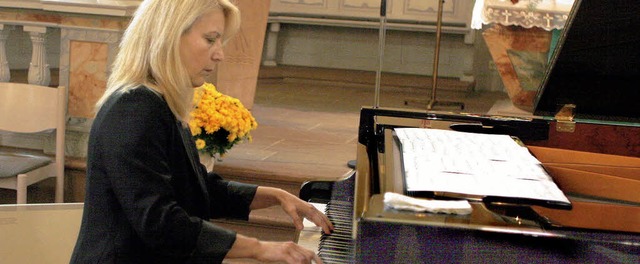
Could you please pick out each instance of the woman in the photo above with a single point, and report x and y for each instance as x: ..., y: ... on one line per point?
x: 147, y: 197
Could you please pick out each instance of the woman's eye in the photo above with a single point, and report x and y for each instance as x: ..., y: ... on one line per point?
x: 212, y: 40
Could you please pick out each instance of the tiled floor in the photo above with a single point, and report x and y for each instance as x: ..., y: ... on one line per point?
x: 308, y: 121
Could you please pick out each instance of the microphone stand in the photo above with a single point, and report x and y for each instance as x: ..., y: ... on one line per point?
x: 381, y: 40
x: 381, y: 43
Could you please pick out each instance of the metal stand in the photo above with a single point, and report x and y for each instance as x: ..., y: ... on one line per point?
x: 381, y: 43
x: 436, y: 60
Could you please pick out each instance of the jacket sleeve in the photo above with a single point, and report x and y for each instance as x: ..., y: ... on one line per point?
x: 230, y: 199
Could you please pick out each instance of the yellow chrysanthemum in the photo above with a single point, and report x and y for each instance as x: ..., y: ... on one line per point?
x: 200, y: 144
x: 219, y: 121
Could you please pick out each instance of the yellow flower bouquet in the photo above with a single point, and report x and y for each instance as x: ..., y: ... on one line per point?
x: 218, y: 121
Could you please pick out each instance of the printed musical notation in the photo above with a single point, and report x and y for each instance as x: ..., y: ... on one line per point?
x: 475, y: 164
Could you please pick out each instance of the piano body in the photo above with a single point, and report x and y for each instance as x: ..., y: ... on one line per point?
x: 592, y: 153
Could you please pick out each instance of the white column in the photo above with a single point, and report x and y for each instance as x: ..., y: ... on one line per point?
x: 271, y: 45
x: 39, y: 72
x: 5, y: 73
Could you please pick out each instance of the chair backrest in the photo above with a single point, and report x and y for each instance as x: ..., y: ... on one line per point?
x: 29, y: 108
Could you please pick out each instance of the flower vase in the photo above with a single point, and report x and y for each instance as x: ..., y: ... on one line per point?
x: 208, y: 161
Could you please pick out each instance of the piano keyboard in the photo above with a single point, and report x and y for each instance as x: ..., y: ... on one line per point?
x: 339, y: 247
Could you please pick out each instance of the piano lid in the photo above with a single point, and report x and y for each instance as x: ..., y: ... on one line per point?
x: 597, y: 64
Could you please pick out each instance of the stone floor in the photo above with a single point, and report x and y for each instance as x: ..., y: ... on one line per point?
x: 308, y: 121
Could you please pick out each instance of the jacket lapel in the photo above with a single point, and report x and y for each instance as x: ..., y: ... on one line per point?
x: 189, y: 146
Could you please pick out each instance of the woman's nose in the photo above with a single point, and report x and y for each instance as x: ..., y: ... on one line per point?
x: 218, y: 53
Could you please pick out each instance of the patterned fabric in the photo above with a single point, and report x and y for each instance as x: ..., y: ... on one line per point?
x: 545, y: 14
x: 529, y: 66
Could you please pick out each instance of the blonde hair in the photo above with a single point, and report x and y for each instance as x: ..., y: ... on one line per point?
x: 149, y: 52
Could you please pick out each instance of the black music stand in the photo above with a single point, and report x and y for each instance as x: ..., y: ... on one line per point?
x: 436, y: 60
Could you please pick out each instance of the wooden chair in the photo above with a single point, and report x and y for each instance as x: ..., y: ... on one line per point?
x: 27, y: 108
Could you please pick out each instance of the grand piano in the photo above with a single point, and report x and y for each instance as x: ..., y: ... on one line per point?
x: 585, y: 131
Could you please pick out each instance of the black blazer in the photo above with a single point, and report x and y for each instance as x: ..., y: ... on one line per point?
x: 147, y: 196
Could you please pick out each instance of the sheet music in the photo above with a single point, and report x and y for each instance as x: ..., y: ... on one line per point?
x: 477, y: 164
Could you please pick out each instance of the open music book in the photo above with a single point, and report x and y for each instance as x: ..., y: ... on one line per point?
x: 494, y: 167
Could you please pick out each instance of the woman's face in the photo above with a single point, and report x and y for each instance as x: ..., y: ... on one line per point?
x: 201, y: 46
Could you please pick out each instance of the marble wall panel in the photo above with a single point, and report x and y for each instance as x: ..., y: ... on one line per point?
x: 29, y: 15
x: 88, y: 62
x: 111, y: 23
x: 75, y: 20
x: 84, y: 67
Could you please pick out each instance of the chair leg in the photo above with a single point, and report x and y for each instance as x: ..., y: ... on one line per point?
x: 21, y: 189
x: 59, y: 182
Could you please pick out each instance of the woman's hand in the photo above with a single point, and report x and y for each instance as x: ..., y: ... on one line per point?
x: 296, y: 209
x: 288, y: 252
x: 266, y: 251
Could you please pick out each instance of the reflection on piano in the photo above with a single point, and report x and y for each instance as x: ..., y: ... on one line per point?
x: 603, y: 225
